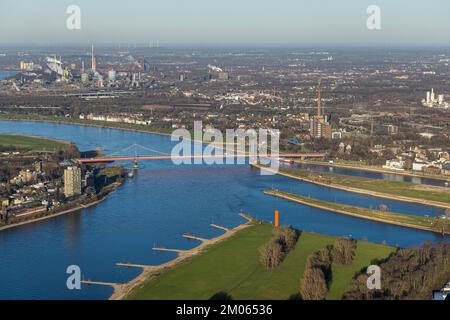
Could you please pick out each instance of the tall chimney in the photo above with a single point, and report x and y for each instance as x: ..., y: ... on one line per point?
x: 318, y: 98
x: 93, y: 62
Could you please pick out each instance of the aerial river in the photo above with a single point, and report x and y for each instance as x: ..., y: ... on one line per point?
x: 162, y: 202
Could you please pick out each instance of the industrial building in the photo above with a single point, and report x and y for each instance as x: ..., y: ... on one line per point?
x: 319, y: 125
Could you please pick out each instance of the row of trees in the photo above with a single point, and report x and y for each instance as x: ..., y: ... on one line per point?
x: 318, y: 273
x: 344, y: 251
x: 441, y: 224
x: 283, y: 241
x: 407, y: 274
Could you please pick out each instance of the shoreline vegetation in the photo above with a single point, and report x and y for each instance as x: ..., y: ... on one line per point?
x: 368, y: 168
x: 105, y: 125
x: 403, y: 220
x: 232, y: 269
x: 399, y: 191
x: 32, y: 143
x: 89, y: 123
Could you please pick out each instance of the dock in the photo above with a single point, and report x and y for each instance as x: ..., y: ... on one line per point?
x: 219, y: 227
x: 189, y: 236
x: 247, y: 217
x: 179, y: 251
x: 100, y: 283
x: 133, y: 265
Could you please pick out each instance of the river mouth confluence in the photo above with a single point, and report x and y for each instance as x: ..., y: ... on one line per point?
x: 157, y: 207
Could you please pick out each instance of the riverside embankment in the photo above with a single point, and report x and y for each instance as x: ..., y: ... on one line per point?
x: 403, y: 220
x: 375, y: 169
x: 328, y: 184
x: 156, y: 208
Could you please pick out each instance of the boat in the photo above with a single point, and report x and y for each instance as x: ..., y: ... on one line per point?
x: 286, y: 161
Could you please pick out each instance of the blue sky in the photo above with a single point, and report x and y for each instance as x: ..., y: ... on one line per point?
x: 248, y: 22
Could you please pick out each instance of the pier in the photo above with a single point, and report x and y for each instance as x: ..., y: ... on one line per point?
x: 179, y: 251
x: 133, y: 265
x: 121, y: 290
x: 100, y: 283
x: 189, y: 236
x: 219, y: 227
x: 247, y: 217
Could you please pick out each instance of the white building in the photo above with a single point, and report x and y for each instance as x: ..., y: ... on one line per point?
x: 395, y: 165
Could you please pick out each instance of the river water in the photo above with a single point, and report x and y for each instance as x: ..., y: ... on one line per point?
x: 161, y: 203
x: 373, y: 175
x: 6, y: 74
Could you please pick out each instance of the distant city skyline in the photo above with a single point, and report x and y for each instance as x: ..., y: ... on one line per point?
x: 249, y: 22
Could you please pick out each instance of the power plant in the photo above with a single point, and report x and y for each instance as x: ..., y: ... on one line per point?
x: 319, y: 125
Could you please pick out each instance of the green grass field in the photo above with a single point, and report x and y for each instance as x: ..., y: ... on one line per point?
x: 220, y: 269
x: 391, y: 188
x: 31, y: 143
x: 342, y: 275
x: 233, y: 267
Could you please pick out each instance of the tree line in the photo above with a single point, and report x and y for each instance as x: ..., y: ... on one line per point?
x: 408, y: 274
x: 282, y: 242
x: 318, y: 273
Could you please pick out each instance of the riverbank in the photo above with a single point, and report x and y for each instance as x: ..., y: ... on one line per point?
x: 66, y: 211
x: 123, y: 291
x: 32, y: 143
x: 329, y: 183
x: 232, y: 269
x: 403, y: 220
x: 105, y: 125
x: 373, y: 169
x: 88, y: 123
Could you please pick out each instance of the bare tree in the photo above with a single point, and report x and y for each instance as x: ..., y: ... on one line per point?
x: 344, y: 250
x: 313, y: 286
x: 271, y: 255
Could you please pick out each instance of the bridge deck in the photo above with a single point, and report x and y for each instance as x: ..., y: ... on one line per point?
x: 168, y: 157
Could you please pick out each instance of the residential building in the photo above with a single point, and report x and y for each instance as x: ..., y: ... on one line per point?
x: 72, y: 181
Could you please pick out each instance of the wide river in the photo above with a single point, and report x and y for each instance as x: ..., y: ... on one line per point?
x: 160, y: 204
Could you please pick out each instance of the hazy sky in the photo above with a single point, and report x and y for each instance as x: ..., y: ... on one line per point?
x: 248, y: 22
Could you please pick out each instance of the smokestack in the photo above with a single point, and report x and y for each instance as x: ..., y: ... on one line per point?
x: 93, y: 62
x: 318, y: 98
